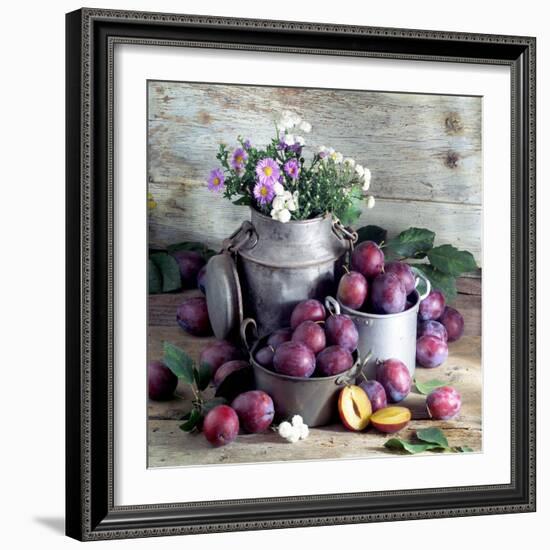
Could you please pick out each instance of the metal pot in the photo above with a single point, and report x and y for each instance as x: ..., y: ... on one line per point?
x: 315, y: 399
x: 385, y: 336
x: 277, y: 266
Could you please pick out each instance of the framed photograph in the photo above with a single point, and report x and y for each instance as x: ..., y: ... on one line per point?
x: 300, y: 274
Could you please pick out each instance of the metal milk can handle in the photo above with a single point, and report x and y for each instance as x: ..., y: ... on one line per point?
x: 419, y: 276
x: 344, y: 233
x: 244, y: 235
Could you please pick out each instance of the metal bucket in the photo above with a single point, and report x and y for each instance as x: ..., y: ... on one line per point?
x: 389, y: 336
x: 315, y: 399
x: 281, y: 264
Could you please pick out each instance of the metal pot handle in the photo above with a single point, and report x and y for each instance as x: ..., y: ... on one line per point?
x: 351, y: 375
x: 420, y: 275
x: 332, y: 305
x: 244, y: 329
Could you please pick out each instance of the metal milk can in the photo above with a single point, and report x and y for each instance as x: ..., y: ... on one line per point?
x: 275, y: 266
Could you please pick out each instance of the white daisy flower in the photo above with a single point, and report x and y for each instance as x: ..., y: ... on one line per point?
x: 284, y: 215
x: 278, y: 188
x: 305, y: 127
x: 349, y: 162
x: 285, y: 429
x: 359, y: 170
x: 370, y: 201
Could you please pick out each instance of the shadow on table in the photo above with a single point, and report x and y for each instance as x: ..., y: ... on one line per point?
x: 56, y: 524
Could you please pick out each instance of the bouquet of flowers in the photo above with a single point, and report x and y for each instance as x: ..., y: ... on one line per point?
x: 278, y: 181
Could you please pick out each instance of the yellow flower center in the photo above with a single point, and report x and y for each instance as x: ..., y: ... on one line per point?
x: 239, y: 159
x: 268, y: 171
x: 263, y: 191
x: 216, y: 181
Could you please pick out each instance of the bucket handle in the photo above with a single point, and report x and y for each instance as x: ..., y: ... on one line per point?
x: 351, y: 375
x: 246, y: 323
x: 332, y: 305
x: 420, y: 276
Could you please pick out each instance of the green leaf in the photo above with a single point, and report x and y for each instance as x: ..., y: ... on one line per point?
x: 396, y: 444
x: 427, y: 387
x: 350, y: 213
x: 434, y: 436
x: 202, y: 375
x: 442, y: 281
x: 212, y: 403
x: 411, y: 242
x: 178, y: 362
x: 191, y: 423
x: 464, y: 449
x: 155, y: 278
x: 171, y: 278
x: 243, y: 201
x: 371, y: 233
x: 450, y: 260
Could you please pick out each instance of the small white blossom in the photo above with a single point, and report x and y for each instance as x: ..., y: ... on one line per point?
x: 285, y: 429
x: 336, y: 157
x: 284, y: 215
x: 294, y: 431
x: 289, y: 139
x: 278, y: 188
x: 278, y: 202
x: 305, y: 127
x: 370, y: 201
x: 359, y: 170
x: 300, y: 140
x: 349, y: 162
x: 366, y: 179
x: 294, y: 436
x: 297, y: 420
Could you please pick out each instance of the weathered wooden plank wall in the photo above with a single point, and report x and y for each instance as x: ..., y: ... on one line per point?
x: 424, y: 152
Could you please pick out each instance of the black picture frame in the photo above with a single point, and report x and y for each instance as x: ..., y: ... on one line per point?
x: 90, y: 38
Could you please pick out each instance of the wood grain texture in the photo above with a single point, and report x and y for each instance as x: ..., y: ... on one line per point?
x: 424, y: 152
x: 169, y: 446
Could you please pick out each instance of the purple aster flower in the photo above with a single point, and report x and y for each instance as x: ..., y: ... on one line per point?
x: 268, y: 171
x: 295, y: 148
x: 292, y: 168
x: 264, y: 192
x: 239, y: 158
x: 216, y: 180
x: 247, y: 144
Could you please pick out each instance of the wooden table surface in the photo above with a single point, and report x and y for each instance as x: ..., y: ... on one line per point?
x: 169, y: 446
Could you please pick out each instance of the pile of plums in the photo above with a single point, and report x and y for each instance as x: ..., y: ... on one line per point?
x: 374, y: 286
x: 438, y: 324
x: 251, y: 411
x: 313, y: 345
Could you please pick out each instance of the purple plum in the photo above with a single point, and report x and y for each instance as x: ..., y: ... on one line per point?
x: 190, y: 263
x: 431, y: 351
x: 221, y: 425
x: 394, y: 375
x: 352, y: 290
x: 432, y: 306
x: 404, y: 272
x: 217, y: 353
x: 432, y: 328
x: 388, y: 294
x: 340, y: 330
x: 226, y: 369
x: 310, y: 334
x: 368, y: 259
x: 376, y: 394
x: 192, y: 316
x: 443, y: 403
x: 294, y: 359
x: 161, y: 381
x: 334, y: 360
x: 255, y: 410
x: 308, y: 310
x: 453, y: 321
